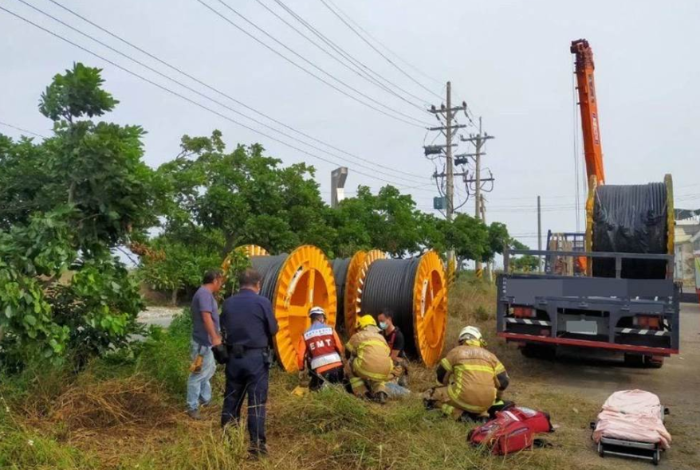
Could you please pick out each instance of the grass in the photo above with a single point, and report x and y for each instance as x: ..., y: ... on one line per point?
x: 126, y: 411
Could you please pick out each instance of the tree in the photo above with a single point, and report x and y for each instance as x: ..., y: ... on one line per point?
x: 468, y: 236
x: 65, y: 204
x: 525, y: 263
x: 387, y: 221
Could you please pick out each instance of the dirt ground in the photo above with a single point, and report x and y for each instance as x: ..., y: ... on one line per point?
x: 677, y: 384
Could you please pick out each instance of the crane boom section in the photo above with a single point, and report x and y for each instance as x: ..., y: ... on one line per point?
x: 588, y: 105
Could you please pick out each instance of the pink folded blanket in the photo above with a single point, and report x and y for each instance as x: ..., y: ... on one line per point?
x: 633, y: 415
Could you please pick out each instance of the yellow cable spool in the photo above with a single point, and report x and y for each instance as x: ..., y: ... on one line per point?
x: 415, y: 290
x: 305, y: 280
x: 430, y: 308
x: 354, y: 285
x: 250, y: 250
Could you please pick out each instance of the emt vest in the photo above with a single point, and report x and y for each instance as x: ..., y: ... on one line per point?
x: 320, y: 345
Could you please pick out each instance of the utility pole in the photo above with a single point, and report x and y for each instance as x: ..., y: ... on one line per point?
x: 449, y: 164
x: 539, y: 233
x: 483, y: 219
x: 448, y: 113
x: 478, y: 140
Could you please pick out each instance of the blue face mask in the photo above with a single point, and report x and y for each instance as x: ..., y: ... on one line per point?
x: 383, y: 325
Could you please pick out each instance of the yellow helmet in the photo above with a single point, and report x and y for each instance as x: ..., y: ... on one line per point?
x: 366, y: 320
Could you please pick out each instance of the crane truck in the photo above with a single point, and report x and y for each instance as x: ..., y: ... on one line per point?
x: 621, y: 298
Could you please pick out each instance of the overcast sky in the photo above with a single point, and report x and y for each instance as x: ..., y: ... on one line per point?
x: 509, y: 60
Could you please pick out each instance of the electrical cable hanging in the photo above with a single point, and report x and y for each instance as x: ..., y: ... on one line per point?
x: 415, y: 290
x: 225, y: 95
x: 414, y: 121
x: 373, y: 166
x: 189, y: 100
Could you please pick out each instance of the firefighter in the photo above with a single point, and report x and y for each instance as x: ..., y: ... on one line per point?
x: 321, y: 348
x: 472, y: 379
x: 370, y: 364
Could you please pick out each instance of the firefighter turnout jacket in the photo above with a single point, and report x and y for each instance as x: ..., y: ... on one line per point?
x: 322, y: 347
x: 372, y: 356
x: 473, y: 377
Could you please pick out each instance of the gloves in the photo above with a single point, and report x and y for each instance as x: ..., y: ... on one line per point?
x: 220, y: 353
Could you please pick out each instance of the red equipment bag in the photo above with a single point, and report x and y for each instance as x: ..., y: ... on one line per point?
x: 512, y: 430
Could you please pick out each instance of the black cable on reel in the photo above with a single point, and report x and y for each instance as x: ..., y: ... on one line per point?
x: 340, y: 273
x: 389, y: 285
x: 631, y: 219
x: 269, y: 268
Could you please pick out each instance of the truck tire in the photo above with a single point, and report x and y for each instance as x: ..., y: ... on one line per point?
x: 634, y: 360
x: 654, y: 362
x: 538, y: 351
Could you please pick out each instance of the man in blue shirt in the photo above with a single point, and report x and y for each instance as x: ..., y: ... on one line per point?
x: 205, y: 334
x: 250, y: 325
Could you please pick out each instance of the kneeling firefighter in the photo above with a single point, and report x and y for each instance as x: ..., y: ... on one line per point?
x: 321, y: 348
x: 370, y: 364
x: 472, y: 379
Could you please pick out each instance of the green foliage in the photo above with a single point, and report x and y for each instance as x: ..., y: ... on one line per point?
x: 524, y: 263
x: 76, y: 93
x: 240, y: 197
x: 181, y: 265
x: 65, y: 203
x: 237, y: 261
x: 468, y: 236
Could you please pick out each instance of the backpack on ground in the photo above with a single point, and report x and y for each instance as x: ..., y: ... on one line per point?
x: 512, y: 430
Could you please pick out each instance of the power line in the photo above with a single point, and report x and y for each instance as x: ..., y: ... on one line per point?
x: 361, y: 67
x: 439, y: 82
x: 24, y: 130
x: 378, y: 51
x: 275, y: 51
x: 181, y: 96
x: 167, y: 77
x: 200, y: 82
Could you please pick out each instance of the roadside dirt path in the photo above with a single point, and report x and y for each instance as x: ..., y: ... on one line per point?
x: 677, y: 384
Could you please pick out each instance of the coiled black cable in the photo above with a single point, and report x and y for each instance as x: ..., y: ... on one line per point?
x: 340, y: 273
x: 389, y: 285
x: 631, y: 219
x: 269, y: 268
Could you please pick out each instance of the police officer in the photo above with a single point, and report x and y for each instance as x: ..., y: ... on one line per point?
x: 250, y: 325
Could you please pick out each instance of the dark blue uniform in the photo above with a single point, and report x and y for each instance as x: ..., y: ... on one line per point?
x: 250, y: 326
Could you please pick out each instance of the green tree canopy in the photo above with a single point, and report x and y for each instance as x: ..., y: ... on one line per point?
x: 65, y: 204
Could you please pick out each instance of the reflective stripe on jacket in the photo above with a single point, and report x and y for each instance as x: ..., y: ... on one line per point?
x: 320, y: 343
x: 372, y: 354
x: 471, y: 377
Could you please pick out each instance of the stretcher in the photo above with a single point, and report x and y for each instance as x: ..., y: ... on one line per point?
x: 631, y: 425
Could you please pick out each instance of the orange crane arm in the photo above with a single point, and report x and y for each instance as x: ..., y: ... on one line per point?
x: 589, y: 109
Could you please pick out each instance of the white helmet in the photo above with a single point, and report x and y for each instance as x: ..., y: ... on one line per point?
x: 317, y: 311
x: 470, y: 333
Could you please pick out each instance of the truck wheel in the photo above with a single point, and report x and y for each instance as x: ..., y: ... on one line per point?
x: 654, y: 362
x: 537, y: 351
x: 634, y: 360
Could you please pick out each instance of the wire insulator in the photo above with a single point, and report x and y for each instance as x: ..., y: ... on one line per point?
x: 390, y: 285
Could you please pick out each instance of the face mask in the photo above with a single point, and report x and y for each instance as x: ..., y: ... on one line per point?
x: 383, y: 325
